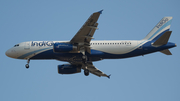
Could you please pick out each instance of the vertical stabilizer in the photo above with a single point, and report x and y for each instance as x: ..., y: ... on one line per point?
x: 159, y: 29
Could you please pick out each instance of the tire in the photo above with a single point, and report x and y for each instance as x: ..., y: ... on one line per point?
x: 86, y: 72
x: 27, y: 66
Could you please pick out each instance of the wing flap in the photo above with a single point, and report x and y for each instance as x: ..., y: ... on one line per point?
x: 92, y: 69
x: 96, y: 71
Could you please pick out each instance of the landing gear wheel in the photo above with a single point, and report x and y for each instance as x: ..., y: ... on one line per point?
x: 27, y: 66
x: 86, y: 72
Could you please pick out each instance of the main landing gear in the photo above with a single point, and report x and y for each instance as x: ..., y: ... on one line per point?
x: 27, y: 65
x: 84, y: 59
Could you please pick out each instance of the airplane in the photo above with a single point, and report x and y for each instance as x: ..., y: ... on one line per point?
x: 80, y: 52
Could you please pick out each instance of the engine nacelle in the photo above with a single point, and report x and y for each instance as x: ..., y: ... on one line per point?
x: 68, y: 69
x: 63, y: 47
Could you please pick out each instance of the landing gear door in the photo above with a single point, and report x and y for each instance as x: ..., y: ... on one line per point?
x: 27, y: 45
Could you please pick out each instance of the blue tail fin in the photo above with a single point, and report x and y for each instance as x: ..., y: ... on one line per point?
x: 159, y: 29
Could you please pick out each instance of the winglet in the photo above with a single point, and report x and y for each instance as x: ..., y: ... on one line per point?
x: 109, y: 76
x: 100, y: 11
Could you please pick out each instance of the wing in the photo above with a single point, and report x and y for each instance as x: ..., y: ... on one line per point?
x: 85, y: 34
x: 82, y: 40
x: 92, y: 69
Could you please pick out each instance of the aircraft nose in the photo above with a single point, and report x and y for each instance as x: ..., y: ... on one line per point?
x: 10, y: 53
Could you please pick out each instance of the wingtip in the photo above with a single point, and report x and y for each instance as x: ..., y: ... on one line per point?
x: 100, y: 11
x: 109, y: 76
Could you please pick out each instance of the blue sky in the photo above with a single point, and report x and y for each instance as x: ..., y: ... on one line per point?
x: 153, y: 77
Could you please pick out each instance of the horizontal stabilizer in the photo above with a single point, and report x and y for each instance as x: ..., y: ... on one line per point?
x: 166, y: 51
x: 163, y: 39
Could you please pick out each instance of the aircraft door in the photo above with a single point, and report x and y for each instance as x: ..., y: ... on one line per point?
x: 27, y: 45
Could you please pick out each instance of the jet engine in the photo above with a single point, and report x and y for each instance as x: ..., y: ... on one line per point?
x: 63, y: 47
x: 69, y: 69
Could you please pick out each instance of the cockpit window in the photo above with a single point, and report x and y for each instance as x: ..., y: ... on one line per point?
x: 16, y: 45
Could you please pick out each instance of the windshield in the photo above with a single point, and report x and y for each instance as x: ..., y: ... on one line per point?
x: 16, y: 45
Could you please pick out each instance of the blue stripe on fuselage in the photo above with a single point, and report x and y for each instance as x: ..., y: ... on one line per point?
x: 98, y: 55
x: 30, y: 53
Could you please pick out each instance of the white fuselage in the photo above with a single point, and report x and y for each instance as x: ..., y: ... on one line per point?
x: 29, y: 49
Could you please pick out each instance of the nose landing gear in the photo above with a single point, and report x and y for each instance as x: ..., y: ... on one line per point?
x: 27, y: 65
